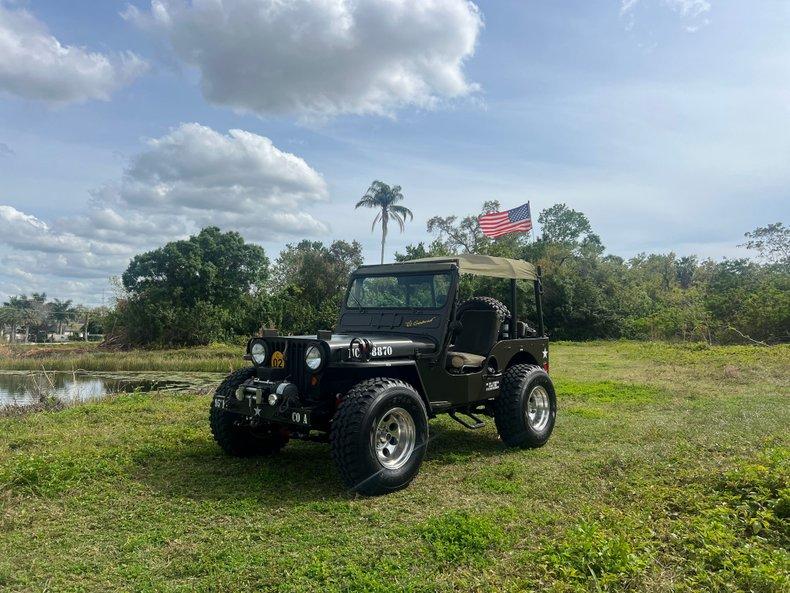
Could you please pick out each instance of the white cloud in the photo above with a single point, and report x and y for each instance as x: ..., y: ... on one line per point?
x: 195, y: 176
x: 23, y: 231
x: 686, y: 8
x: 58, y: 276
x: 321, y: 57
x: 692, y: 12
x: 189, y: 178
x: 689, y: 8
x: 35, y: 65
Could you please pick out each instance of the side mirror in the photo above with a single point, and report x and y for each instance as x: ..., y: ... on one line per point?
x: 455, y: 328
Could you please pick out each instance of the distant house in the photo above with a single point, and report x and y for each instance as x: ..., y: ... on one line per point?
x: 71, y: 331
x: 5, y: 337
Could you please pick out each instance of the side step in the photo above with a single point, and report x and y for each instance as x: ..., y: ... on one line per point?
x: 478, y: 423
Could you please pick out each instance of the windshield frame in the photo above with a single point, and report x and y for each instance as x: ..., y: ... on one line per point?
x: 350, y: 303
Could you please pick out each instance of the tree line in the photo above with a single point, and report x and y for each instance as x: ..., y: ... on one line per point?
x: 589, y: 294
x: 25, y: 318
x: 214, y: 286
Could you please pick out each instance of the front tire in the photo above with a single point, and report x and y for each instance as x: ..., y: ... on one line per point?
x: 378, y: 436
x: 237, y: 439
x: 526, y: 408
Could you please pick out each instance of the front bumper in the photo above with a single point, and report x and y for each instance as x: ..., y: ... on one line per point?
x: 251, y: 401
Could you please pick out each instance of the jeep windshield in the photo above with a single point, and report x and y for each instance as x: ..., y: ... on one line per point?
x: 403, y: 291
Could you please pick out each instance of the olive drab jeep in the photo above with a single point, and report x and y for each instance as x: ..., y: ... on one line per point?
x: 404, y: 351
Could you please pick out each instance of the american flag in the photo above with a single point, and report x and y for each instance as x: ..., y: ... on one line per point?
x: 497, y: 224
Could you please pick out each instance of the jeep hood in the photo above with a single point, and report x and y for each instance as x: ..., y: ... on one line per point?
x: 385, y: 345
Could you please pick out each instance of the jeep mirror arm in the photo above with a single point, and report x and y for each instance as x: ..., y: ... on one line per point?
x: 455, y: 328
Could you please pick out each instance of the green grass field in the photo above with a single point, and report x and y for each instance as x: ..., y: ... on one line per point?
x: 669, y: 470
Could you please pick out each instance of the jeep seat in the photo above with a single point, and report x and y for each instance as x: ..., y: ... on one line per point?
x: 479, y: 331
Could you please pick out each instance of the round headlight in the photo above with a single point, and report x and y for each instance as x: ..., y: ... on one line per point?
x: 313, y: 358
x: 258, y: 352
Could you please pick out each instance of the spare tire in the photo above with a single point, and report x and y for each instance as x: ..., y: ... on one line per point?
x: 484, y: 304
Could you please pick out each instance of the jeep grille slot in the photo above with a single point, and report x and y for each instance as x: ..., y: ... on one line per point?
x: 297, y: 369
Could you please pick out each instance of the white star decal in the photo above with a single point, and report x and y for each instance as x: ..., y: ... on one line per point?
x: 545, y: 354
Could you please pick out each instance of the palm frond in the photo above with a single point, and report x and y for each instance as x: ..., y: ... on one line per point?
x: 375, y: 221
x: 398, y: 218
x: 403, y: 211
x: 367, y: 202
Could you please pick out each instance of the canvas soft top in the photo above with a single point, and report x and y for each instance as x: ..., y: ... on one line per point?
x: 479, y: 265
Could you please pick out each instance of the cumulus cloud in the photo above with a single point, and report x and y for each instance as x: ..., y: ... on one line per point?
x: 320, y: 57
x: 197, y: 175
x: 35, y: 65
x: 23, y: 231
x: 190, y: 178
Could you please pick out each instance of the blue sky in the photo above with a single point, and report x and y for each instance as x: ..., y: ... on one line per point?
x: 666, y: 121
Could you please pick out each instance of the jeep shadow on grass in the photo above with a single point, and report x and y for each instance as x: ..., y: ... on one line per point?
x: 405, y: 351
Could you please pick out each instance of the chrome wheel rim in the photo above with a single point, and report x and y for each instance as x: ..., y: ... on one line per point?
x: 394, y: 438
x: 538, y: 408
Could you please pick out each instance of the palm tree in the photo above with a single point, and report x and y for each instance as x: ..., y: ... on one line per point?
x: 31, y: 317
x: 11, y: 317
x: 382, y: 196
x: 61, y: 313
x: 28, y: 312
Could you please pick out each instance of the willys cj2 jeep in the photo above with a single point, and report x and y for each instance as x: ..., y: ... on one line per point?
x: 404, y: 351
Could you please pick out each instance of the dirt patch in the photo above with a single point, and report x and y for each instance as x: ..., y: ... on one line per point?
x: 731, y: 372
x: 114, y: 343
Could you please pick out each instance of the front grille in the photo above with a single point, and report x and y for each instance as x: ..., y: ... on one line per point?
x: 295, y: 368
x: 276, y: 345
x: 295, y: 365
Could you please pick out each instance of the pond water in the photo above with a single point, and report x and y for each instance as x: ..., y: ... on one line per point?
x: 29, y: 388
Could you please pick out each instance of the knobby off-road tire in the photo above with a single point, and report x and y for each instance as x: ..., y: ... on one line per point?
x: 241, y: 441
x: 379, y: 435
x: 526, y: 408
x: 484, y: 304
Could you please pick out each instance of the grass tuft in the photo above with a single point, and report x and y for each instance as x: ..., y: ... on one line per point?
x: 459, y: 536
x: 591, y: 553
x: 607, y: 392
x: 48, y: 474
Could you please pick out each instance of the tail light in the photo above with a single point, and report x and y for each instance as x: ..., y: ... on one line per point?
x: 546, y: 366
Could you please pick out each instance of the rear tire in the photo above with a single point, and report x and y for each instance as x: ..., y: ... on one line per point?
x: 526, y: 408
x: 484, y: 304
x: 239, y: 440
x: 378, y: 436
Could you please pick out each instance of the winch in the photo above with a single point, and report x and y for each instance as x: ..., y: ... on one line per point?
x: 272, y: 392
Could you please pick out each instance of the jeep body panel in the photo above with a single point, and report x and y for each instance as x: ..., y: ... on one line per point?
x: 449, y: 390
